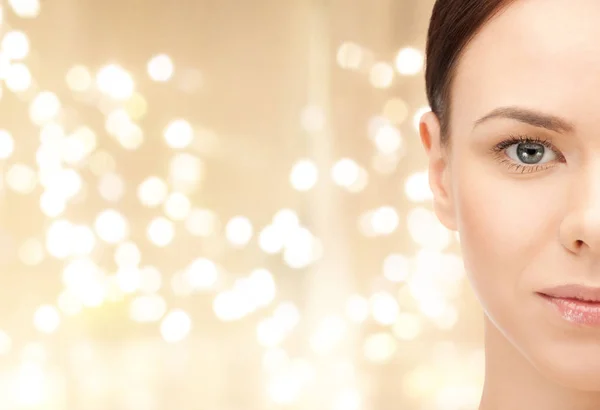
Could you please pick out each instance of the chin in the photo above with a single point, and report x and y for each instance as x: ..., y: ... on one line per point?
x: 575, y: 367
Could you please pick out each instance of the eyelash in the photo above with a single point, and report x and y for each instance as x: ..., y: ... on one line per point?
x: 498, y: 150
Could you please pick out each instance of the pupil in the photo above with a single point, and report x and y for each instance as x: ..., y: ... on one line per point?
x: 530, y: 153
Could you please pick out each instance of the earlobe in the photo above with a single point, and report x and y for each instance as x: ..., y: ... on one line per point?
x: 439, y: 171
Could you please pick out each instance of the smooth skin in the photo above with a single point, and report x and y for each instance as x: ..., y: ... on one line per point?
x: 527, y: 226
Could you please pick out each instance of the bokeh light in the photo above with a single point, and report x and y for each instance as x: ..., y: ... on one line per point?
x: 409, y: 61
x: 160, y: 68
x: 184, y: 208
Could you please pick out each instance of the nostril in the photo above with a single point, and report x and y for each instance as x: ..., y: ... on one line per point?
x: 578, y: 244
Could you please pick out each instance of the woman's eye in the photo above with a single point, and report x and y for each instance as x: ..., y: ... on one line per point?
x: 523, y: 154
x: 530, y: 153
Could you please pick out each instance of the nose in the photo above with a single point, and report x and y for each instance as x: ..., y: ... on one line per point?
x: 580, y: 229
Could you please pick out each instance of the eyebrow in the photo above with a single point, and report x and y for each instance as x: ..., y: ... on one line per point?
x: 531, y: 117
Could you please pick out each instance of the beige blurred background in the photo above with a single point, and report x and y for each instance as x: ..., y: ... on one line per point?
x: 223, y: 205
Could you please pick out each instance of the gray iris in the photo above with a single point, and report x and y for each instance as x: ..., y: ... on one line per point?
x: 530, y: 153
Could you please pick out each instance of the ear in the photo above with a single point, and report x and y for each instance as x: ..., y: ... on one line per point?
x: 439, y: 170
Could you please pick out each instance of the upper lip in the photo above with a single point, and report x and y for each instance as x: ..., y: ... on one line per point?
x: 578, y: 292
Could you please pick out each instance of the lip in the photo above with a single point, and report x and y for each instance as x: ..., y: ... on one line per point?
x: 575, y: 303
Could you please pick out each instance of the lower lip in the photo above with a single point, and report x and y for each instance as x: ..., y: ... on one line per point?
x: 576, y: 311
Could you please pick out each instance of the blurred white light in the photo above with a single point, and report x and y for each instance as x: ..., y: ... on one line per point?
x: 79, y: 78
x: 426, y: 229
x: 264, y: 288
x: 417, y: 187
x: 111, y: 226
x: 375, y: 123
x: 7, y: 144
x: 66, y: 183
x: 115, y: 82
x: 202, y: 274
x: 73, y: 150
x: 21, y: 178
x: 348, y: 399
x: 151, y: 308
x: 360, y: 183
x: 15, y: 45
x: 111, y: 187
x: 384, y: 220
x: 83, y: 239
x: 128, y: 255
x: 227, y: 306
x: 396, y: 267
x: 284, y: 390
x: 384, y: 308
x: 287, y: 316
x: 46, y: 319
x: 385, y: 164
x: 365, y: 225
x: 69, y: 303
x: 44, y: 107
x: 239, y: 231
x: 395, y: 110
x: 128, y: 279
x: 388, y: 139
x: 52, y: 134
x: 18, y: 77
x: 304, y: 175
x: 58, y: 239
x: 86, y: 281
x: 31, y: 252
x: 129, y: 135
x: 286, y: 220
x: 381, y: 75
x: 152, y: 191
x: 150, y: 279
x: 380, y: 347
x: 345, y: 172
x: 175, y: 326
x: 25, y: 8
x: 350, y: 56
x: 179, y: 134
x: 161, y: 231
x: 409, y: 61
x: 357, y: 308
x: 432, y: 308
x: 185, y: 172
x: 160, y: 68
x: 52, y: 204
x: 31, y: 388
x: 177, y: 206
x: 328, y: 334
x: 407, y: 327
x: 270, y: 333
x: 271, y: 239
x: 301, y: 248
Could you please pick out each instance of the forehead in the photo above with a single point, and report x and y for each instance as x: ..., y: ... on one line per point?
x: 542, y: 54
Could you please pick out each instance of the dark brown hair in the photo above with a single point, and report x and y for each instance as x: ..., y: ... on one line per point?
x: 452, y: 26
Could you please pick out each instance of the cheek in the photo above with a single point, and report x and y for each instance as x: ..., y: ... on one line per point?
x: 505, y: 224
x: 509, y: 238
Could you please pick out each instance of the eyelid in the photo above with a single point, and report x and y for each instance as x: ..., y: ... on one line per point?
x: 522, y: 139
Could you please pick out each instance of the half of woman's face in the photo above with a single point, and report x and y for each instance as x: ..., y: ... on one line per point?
x: 523, y: 187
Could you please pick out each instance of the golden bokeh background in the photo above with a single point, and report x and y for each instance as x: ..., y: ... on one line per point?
x: 223, y: 205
